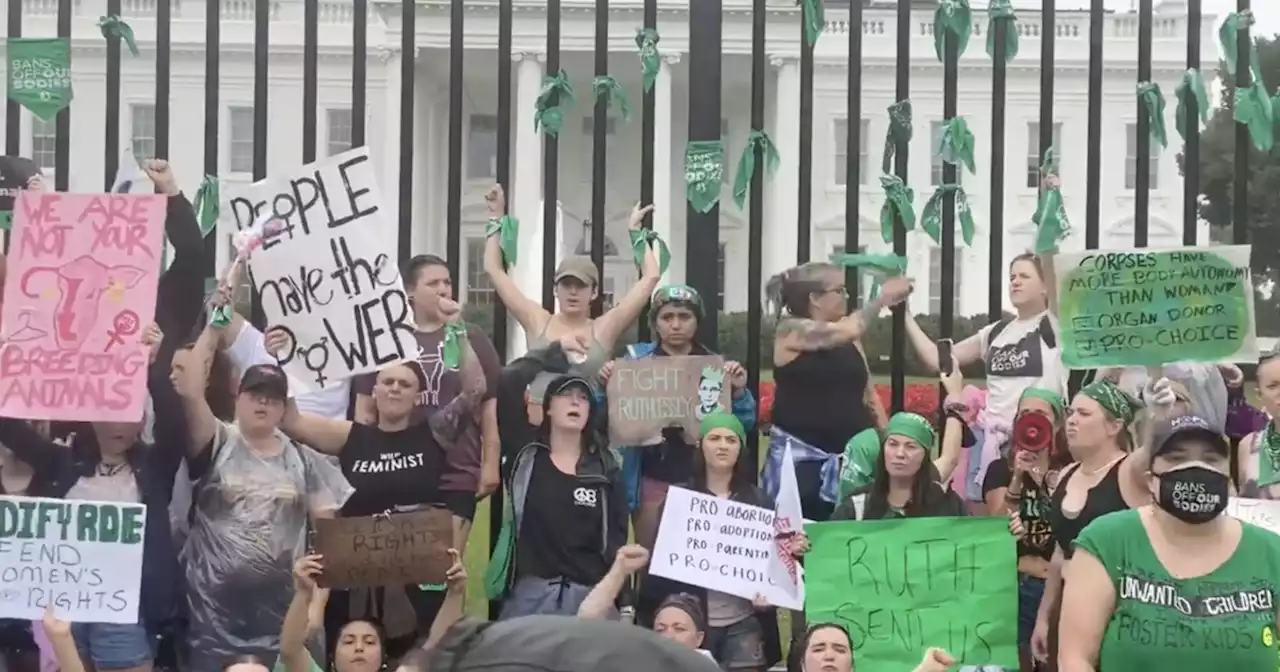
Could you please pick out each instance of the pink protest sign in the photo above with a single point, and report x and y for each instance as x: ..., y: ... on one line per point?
x: 80, y: 289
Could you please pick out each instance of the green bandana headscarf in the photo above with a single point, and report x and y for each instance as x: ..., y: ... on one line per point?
x: 1120, y: 405
x: 1055, y: 401
x: 858, y: 466
x: 672, y: 293
x: 722, y: 420
x: 914, y: 427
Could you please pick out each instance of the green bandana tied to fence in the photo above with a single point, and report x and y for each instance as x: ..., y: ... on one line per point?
x: 1229, y: 38
x: 815, y: 19
x: 899, y: 132
x: 998, y: 11
x: 206, y: 204
x: 612, y: 92
x: 1254, y: 110
x: 879, y: 266
x: 556, y: 93
x: 703, y: 173
x: 507, y: 229
x: 40, y: 74
x: 747, y: 164
x: 113, y: 28
x: 647, y: 41
x: 641, y: 239
x: 454, y: 333
x: 1052, y: 226
x: 952, y: 18
x: 931, y: 216
x: 1191, y: 90
x: 898, y: 199
x: 956, y: 147
x: 1153, y: 104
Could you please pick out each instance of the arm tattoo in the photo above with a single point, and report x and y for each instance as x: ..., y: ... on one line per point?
x: 811, y: 335
x: 448, y: 422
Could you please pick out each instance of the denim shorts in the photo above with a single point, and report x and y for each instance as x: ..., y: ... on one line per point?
x: 111, y: 646
x: 738, y: 646
x: 1030, y: 592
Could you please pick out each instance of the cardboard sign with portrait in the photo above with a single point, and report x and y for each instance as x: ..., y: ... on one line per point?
x: 649, y: 395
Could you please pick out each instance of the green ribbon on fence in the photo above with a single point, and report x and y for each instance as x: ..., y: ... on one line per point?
x: 898, y: 199
x: 556, y: 93
x: 1229, y: 38
x: 879, y: 266
x: 1153, y: 103
x: 956, y: 147
x: 1052, y: 226
x: 454, y: 333
x: 1191, y: 90
x: 206, y: 204
x: 641, y: 239
x: 703, y: 173
x: 39, y: 74
x: 1254, y: 109
x: 952, y: 17
x: 114, y: 28
x: 815, y: 19
x: 611, y: 91
x: 507, y: 229
x: 1002, y: 11
x: 899, y: 132
x: 931, y: 216
x: 650, y: 62
x: 747, y: 164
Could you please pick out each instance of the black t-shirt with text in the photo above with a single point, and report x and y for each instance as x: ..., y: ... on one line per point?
x: 1033, y: 509
x: 391, y: 469
x: 561, y: 532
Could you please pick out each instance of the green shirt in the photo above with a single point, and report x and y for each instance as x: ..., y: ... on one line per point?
x: 1224, y: 620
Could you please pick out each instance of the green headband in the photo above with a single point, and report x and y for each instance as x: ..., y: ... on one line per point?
x: 1121, y: 406
x: 722, y: 420
x: 1050, y: 397
x: 671, y: 294
x: 914, y: 427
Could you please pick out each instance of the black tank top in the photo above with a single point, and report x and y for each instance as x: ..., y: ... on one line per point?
x: 819, y: 397
x: 1103, y: 498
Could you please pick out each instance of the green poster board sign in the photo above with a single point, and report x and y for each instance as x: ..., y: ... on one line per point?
x: 1152, y: 307
x: 902, y: 586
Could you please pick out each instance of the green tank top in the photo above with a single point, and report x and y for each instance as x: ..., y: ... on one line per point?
x: 1224, y: 620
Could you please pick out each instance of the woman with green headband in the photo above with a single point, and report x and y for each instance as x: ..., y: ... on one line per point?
x: 1109, y: 475
x: 906, y: 484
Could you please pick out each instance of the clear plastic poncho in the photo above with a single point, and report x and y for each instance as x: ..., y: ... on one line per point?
x: 1204, y: 383
x: 249, y: 527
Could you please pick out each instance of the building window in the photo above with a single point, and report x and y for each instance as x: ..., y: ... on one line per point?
x: 338, y: 123
x: 479, y: 289
x: 721, y: 255
x: 1131, y: 162
x: 935, y: 142
x: 482, y: 147
x: 142, y: 130
x: 43, y: 141
x: 1034, y: 156
x: 240, y: 151
x: 935, y: 282
x: 841, y: 140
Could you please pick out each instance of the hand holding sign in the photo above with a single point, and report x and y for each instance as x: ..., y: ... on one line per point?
x: 936, y: 660
x: 737, y: 375
x: 456, y: 575
x: 152, y: 338
x: 277, y: 342
x: 305, y: 572
x: 54, y: 627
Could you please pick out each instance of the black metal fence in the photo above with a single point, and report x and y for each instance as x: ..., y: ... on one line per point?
x: 704, y: 72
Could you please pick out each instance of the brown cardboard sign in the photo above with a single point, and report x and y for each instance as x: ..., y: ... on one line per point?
x: 403, y: 548
x: 646, y: 395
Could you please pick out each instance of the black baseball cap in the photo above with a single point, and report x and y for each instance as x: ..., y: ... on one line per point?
x: 266, y: 379
x: 563, y: 382
x: 1189, y: 427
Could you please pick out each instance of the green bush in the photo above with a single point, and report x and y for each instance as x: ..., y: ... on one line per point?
x: 732, y: 328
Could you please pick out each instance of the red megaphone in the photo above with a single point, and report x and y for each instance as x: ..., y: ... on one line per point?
x: 1032, y: 431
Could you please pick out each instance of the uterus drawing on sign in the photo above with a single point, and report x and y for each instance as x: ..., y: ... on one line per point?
x: 83, y: 288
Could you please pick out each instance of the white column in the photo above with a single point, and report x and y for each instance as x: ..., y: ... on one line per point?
x: 664, y: 205
x: 780, y: 244
x: 390, y: 158
x: 526, y: 201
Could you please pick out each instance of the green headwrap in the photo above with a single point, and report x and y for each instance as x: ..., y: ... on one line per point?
x: 858, y: 467
x: 672, y: 293
x: 1120, y: 405
x: 914, y: 427
x: 722, y: 420
x: 1055, y: 401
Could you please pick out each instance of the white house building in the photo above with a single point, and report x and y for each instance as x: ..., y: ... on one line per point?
x: 1119, y: 114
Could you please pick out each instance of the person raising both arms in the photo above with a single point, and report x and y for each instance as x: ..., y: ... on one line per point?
x: 577, y: 285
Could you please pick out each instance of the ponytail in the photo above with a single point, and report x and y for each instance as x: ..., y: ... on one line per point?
x: 791, y: 290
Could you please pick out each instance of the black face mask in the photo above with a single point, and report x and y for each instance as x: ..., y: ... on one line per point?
x: 1193, y: 494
